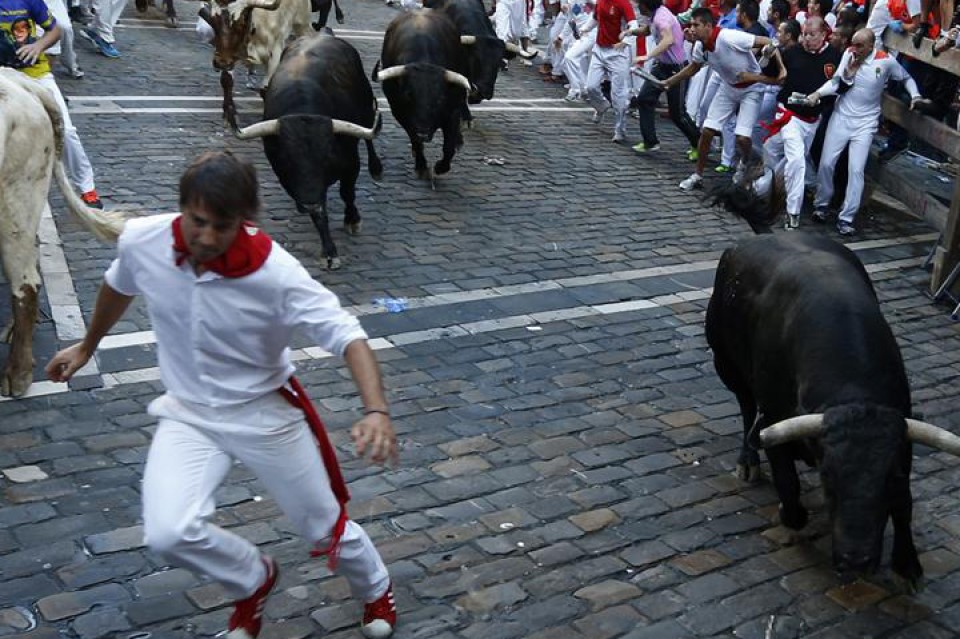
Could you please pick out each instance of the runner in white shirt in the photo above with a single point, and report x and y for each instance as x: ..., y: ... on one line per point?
x: 860, y: 80
x: 224, y: 301
x: 728, y: 52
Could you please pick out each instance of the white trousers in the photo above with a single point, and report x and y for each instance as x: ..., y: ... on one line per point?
x: 75, y: 158
x: 535, y: 19
x: 786, y: 153
x: 192, y: 452
x: 731, y: 101
x: 615, y: 64
x: 576, y: 61
x: 106, y: 18
x: 841, y: 131
x: 63, y: 48
x: 510, y: 20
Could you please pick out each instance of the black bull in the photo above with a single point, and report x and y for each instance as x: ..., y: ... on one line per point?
x: 422, y: 68
x: 318, y: 105
x: 796, y: 332
x: 485, y: 52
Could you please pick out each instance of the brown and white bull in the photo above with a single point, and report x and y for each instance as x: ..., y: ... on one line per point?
x: 31, y: 145
x: 253, y: 32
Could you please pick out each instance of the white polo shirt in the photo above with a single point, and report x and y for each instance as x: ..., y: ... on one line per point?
x: 224, y: 341
x: 732, y: 53
x: 862, y: 100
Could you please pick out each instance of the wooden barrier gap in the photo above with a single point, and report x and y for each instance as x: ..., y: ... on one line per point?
x: 937, y: 135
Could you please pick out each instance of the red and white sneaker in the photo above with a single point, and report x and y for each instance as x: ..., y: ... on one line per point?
x: 380, y: 617
x: 245, y: 620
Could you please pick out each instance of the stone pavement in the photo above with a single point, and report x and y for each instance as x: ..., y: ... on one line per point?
x: 567, y: 446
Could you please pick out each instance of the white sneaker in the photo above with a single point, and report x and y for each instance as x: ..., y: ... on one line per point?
x: 598, y: 114
x: 791, y: 222
x: 695, y: 181
x: 740, y: 174
x: 619, y: 136
x: 573, y: 96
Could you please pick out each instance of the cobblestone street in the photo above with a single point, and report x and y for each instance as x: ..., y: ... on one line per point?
x: 567, y: 447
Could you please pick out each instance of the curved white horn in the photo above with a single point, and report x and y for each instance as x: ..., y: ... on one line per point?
x: 523, y: 53
x: 790, y: 429
x: 933, y: 436
x: 456, y: 78
x: 342, y: 127
x: 258, y: 130
x: 468, y: 39
x: 391, y: 72
x: 268, y: 5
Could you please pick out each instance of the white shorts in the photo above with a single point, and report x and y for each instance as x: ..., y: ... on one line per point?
x: 729, y: 101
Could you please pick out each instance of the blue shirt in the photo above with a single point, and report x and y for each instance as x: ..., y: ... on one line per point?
x: 18, y: 26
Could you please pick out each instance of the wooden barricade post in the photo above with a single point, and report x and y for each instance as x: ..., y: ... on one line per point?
x: 937, y: 135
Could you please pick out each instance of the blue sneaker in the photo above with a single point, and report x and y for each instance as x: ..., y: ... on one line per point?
x: 106, y: 48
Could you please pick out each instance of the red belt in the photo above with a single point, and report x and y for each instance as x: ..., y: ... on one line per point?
x: 783, y: 116
x: 298, y: 398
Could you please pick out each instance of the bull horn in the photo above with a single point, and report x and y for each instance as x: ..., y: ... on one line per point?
x: 523, y: 53
x: 933, y: 436
x: 267, y: 5
x: 455, y: 78
x: 791, y: 429
x: 343, y: 127
x: 468, y: 39
x: 259, y: 130
x: 391, y: 72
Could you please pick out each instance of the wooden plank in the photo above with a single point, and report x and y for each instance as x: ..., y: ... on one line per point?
x: 948, y: 253
x: 949, y: 60
x: 903, y: 186
x: 936, y: 134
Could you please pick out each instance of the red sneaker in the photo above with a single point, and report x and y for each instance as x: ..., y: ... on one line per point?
x: 91, y: 199
x: 380, y: 617
x: 245, y: 620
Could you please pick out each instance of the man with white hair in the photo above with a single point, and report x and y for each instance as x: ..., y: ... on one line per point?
x: 860, y: 80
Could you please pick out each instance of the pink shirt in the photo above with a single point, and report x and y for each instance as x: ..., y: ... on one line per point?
x: 663, y: 21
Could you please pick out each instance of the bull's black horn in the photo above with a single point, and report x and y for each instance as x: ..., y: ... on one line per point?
x: 393, y: 72
x: 933, y: 436
x: 259, y: 130
x: 468, y: 39
x: 454, y: 78
x: 205, y: 15
x: 791, y: 429
x: 343, y: 127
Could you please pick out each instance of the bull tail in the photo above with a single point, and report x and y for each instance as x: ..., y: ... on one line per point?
x: 337, y: 12
x: 106, y: 225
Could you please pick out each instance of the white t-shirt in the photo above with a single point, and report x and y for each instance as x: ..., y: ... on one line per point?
x: 224, y: 341
x: 733, y: 53
x: 862, y: 101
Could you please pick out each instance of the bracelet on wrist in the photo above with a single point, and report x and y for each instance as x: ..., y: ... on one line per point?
x: 377, y: 411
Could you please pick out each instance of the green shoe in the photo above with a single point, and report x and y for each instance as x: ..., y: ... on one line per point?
x: 643, y: 148
x: 723, y: 168
x: 693, y: 155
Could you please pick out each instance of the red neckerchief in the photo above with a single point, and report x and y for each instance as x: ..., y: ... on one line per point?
x: 712, y: 40
x: 783, y: 116
x: 250, y: 249
x: 298, y: 398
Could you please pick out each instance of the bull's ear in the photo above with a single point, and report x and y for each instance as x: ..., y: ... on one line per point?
x: 376, y: 72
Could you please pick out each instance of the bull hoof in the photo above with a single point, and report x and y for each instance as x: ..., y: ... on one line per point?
x: 796, y: 520
x: 748, y: 472
x: 172, y: 22
x: 441, y: 167
x: 333, y: 263
x: 353, y: 228
x: 424, y: 174
x: 908, y: 573
x: 15, y: 384
x: 910, y: 585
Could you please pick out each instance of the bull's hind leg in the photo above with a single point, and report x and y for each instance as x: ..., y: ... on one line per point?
x: 19, y: 250
x: 904, y: 560
x: 351, y: 216
x: 320, y: 220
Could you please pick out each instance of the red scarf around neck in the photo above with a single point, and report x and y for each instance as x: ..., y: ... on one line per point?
x: 711, y: 42
x: 249, y: 250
